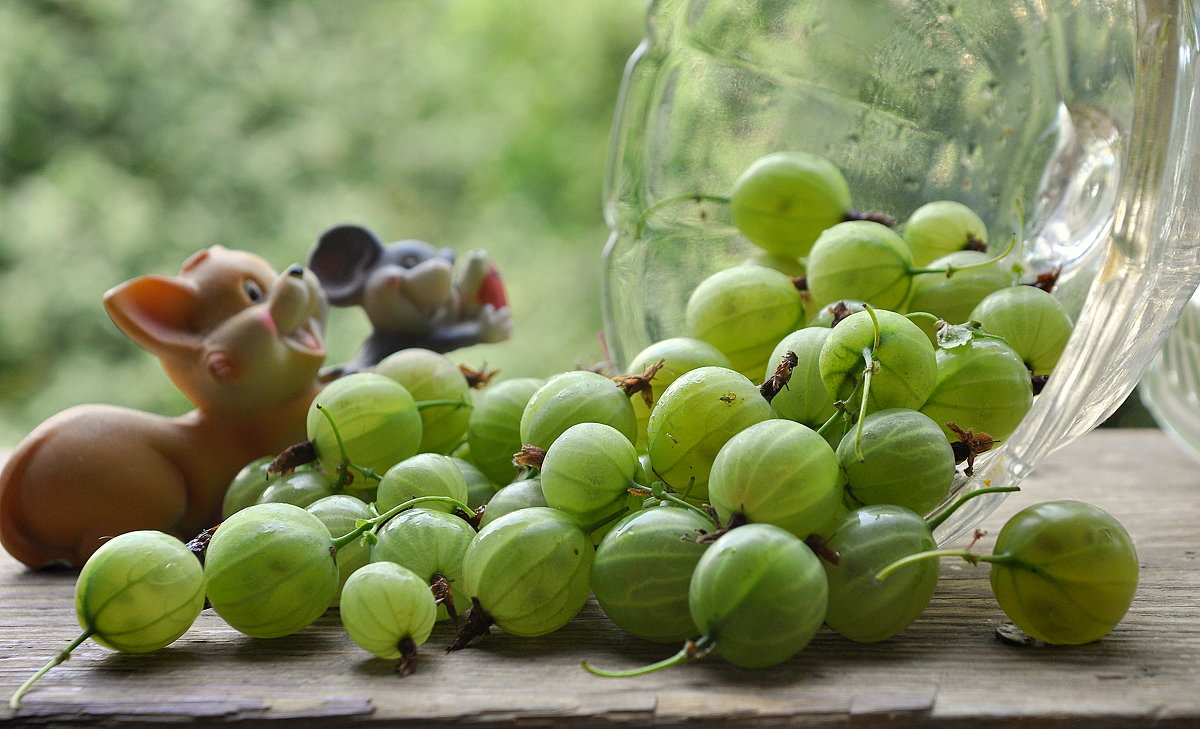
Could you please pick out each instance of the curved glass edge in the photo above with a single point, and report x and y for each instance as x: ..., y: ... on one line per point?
x: 1152, y: 264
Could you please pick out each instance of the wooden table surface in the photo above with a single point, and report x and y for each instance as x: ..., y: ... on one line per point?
x: 949, y: 669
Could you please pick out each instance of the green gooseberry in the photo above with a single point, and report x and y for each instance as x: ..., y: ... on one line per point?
x: 982, y: 384
x: 943, y: 227
x: 642, y: 569
x: 378, y: 419
x: 479, y: 487
x: 1032, y: 321
x: 777, y: 472
x: 825, y: 316
x: 247, y: 486
x: 429, y: 376
x: 340, y: 513
x: 425, y: 474
x: 1064, y: 572
x: 744, y: 311
x: 869, y: 539
x: 865, y: 541
x: 805, y: 399
x: 863, y: 260
x: 574, y: 397
x: 300, y: 488
x: 784, y: 200
x: 952, y: 298
x: 388, y: 611
x: 896, y: 457
x: 517, y: 495
x: 791, y: 266
x: 137, y: 593
x: 528, y: 572
x: 432, y: 544
x: 494, y: 426
x: 904, y: 363
x: 758, y: 596
x: 587, y: 469
x: 677, y: 355
x: 270, y: 570
x: 761, y: 593
x: 694, y: 417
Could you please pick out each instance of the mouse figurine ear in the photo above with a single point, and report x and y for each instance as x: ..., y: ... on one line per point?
x: 342, y: 259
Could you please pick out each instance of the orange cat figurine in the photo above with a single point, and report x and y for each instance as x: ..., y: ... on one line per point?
x: 243, y: 344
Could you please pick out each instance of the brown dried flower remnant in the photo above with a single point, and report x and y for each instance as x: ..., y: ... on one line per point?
x: 975, y: 244
x: 781, y: 378
x: 478, y: 378
x: 635, y: 384
x: 969, y: 445
x: 530, y: 456
x: 1046, y: 281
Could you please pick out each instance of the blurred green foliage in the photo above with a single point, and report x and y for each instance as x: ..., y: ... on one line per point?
x: 135, y: 133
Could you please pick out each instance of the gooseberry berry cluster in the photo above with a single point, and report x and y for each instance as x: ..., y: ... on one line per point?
x: 780, y: 467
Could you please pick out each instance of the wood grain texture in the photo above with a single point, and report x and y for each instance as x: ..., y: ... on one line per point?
x: 947, y: 670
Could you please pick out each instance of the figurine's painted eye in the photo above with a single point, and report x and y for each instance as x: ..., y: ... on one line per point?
x: 254, y: 292
x: 410, y: 261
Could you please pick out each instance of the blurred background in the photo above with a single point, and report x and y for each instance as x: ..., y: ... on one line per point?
x: 133, y: 134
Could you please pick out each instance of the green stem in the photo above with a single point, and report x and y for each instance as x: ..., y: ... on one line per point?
x: 938, y: 553
x: 937, y: 521
x: 874, y: 323
x: 440, y: 403
x: 658, y: 491
x: 696, y: 197
x: 597, y: 524
x: 868, y: 371
x: 691, y: 651
x: 367, y: 524
x: 837, y: 415
x: 951, y: 270
x: 912, y: 315
x: 15, y: 702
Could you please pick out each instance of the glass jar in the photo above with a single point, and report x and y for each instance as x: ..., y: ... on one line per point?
x: 1069, y: 123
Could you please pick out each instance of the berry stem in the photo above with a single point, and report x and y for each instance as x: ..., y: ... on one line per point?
x: 868, y: 372
x: 838, y: 414
x: 882, y: 574
x: 439, y: 403
x: 914, y: 315
x: 968, y: 555
x: 951, y: 270
x: 658, y: 491
x: 937, y: 521
x: 368, y: 524
x: 588, y: 529
x: 693, y: 650
x: 15, y: 702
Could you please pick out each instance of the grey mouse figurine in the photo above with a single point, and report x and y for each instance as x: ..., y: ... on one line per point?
x: 410, y: 293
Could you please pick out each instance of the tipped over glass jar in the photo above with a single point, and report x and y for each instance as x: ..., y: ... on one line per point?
x: 1069, y: 127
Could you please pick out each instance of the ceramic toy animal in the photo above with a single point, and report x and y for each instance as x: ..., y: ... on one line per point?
x: 244, y: 344
x: 410, y: 293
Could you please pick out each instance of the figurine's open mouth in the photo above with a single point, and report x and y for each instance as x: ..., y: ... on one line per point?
x: 307, y: 337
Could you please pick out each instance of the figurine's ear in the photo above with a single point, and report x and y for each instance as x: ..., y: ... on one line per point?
x: 157, y: 312
x: 342, y: 259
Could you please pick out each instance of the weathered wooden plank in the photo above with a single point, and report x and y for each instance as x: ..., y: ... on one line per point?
x: 947, y: 670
